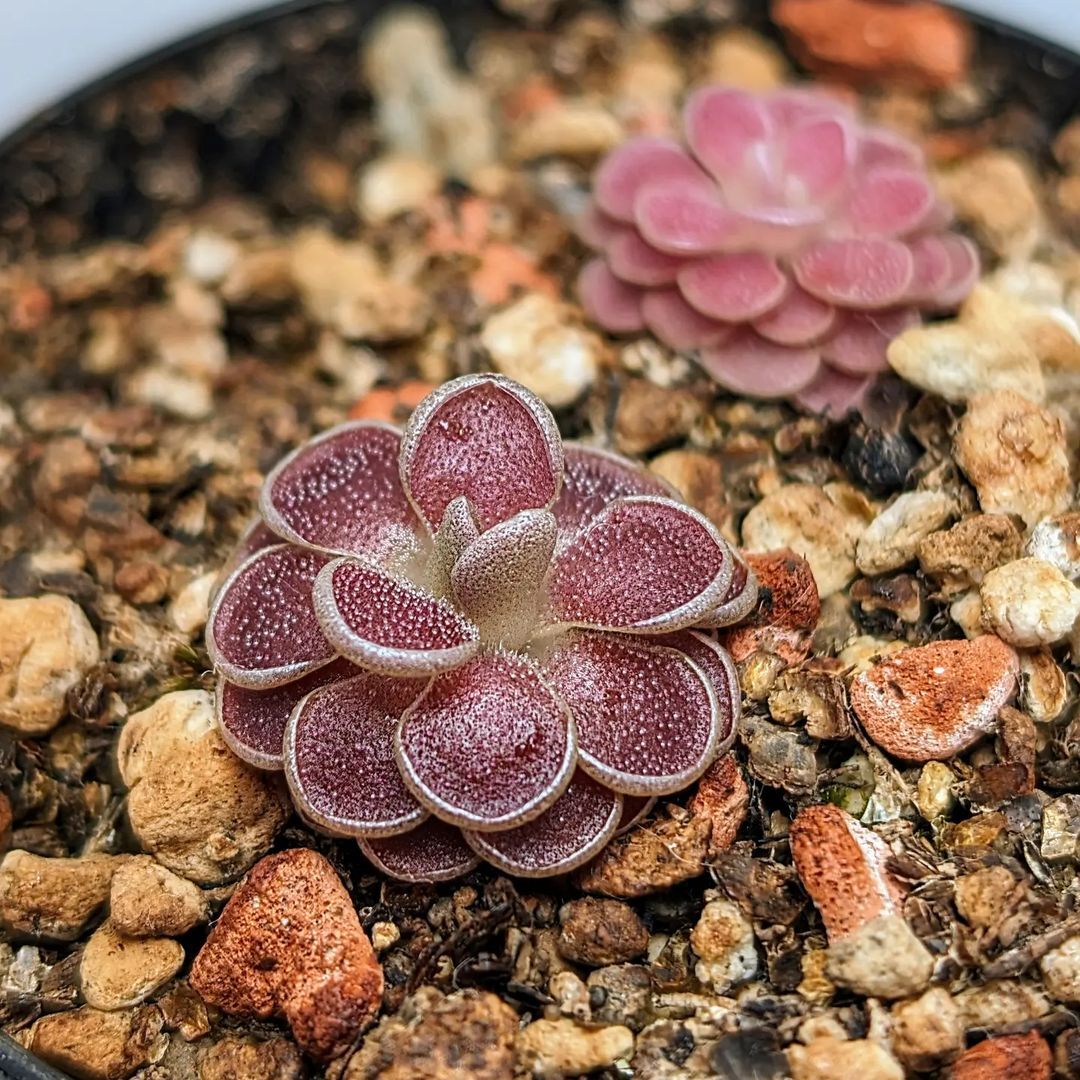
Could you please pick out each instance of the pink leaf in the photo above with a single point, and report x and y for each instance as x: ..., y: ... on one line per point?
x: 881, y: 147
x: 262, y: 630
x: 489, y: 745
x: 687, y: 219
x: 818, y: 156
x: 596, y: 229
x: 679, y: 325
x: 595, y: 478
x: 748, y: 364
x: 861, y: 339
x: 933, y: 270
x: 833, y: 393
x: 562, y: 838
x: 340, y: 757
x: 648, y: 722
x: 800, y: 319
x: 644, y: 563
x: 867, y: 273
x: 645, y: 160
x: 634, y: 809
x: 727, y: 130
x: 497, y: 578
x: 891, y: 202
x: 716, y: 665
x: 252, y: 722
x: 741, y: 598
x: 964, y: 272
x: 341, y: 493
x: 632, y: 259
x: 792, y: 106
x: 388, y: 625
x: 433, y: 851
x: 484, y: 437
x: 734, y: 288
x: 609, y: 301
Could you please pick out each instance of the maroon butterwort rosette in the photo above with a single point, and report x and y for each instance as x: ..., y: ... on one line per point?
x: 783, y: 240
x: 466, y: 641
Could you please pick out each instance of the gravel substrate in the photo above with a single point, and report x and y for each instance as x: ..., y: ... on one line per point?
x: 318, y: 218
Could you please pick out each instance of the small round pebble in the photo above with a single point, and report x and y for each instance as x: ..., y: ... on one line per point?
x: 116, y: 972
x: 1029, y: 603
x: 46, y: 646
x: 723, y: 940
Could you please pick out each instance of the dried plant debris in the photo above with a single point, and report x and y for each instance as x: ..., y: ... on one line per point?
x: 799, y: 796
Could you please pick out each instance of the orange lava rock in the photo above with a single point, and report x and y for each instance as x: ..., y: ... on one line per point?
x: 788, y: 609
x: 917, y: 44
x: 289, y: 943
x: 391, y: 404
x: 930, y: 703
x: 1008, y: 1057
x: 842, y: 867
x: 722, y: 798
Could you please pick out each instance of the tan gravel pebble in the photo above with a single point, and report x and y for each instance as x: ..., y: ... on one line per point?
x: 467, y: 1035
x: 1015, y: 454
x: 643, y: 861
x: 116, y: 972
x: 148, y: 900
x: 1056, y: 540
x: 958, y: 558
x: 934, y: 793
x: 882, y: 958
x: 932, y: 702
x: 926, y: 1031
x: 289, y: 943
x: 191, y: 605
x: 724, y: 942
x: 553, y: 1049
x: 195, y: 806
x: 995, y: 193
x: 600, y: 932
x: 1060, y: 842
x: 1029, y: 603
x: 892, y: 539
x: 1044, y: 687
x: 580, y: 129
x: 999, y: 1003
x: 1060, y: 969
x: 46, y: 646
x: 842, y: 866
x: 89, y: 1044
x: 424, y: 107
x: 830, y: 1058
x: 54, y: 899
x: 394, y: 184
x: 241, y: 1058
x: 958, y: 361
x: 822, y: 524
x: 983, y: 897
x: 539, y: 342
x: 743, y: 58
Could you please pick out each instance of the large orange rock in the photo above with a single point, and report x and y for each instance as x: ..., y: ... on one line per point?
x: 930, y: 703
x: 920, y: 45
x: 289, y: 943
x: 1010, y: 1057
x: 842, y: 866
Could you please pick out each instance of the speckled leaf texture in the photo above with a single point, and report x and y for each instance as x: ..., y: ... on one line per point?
x: 474, y: 643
